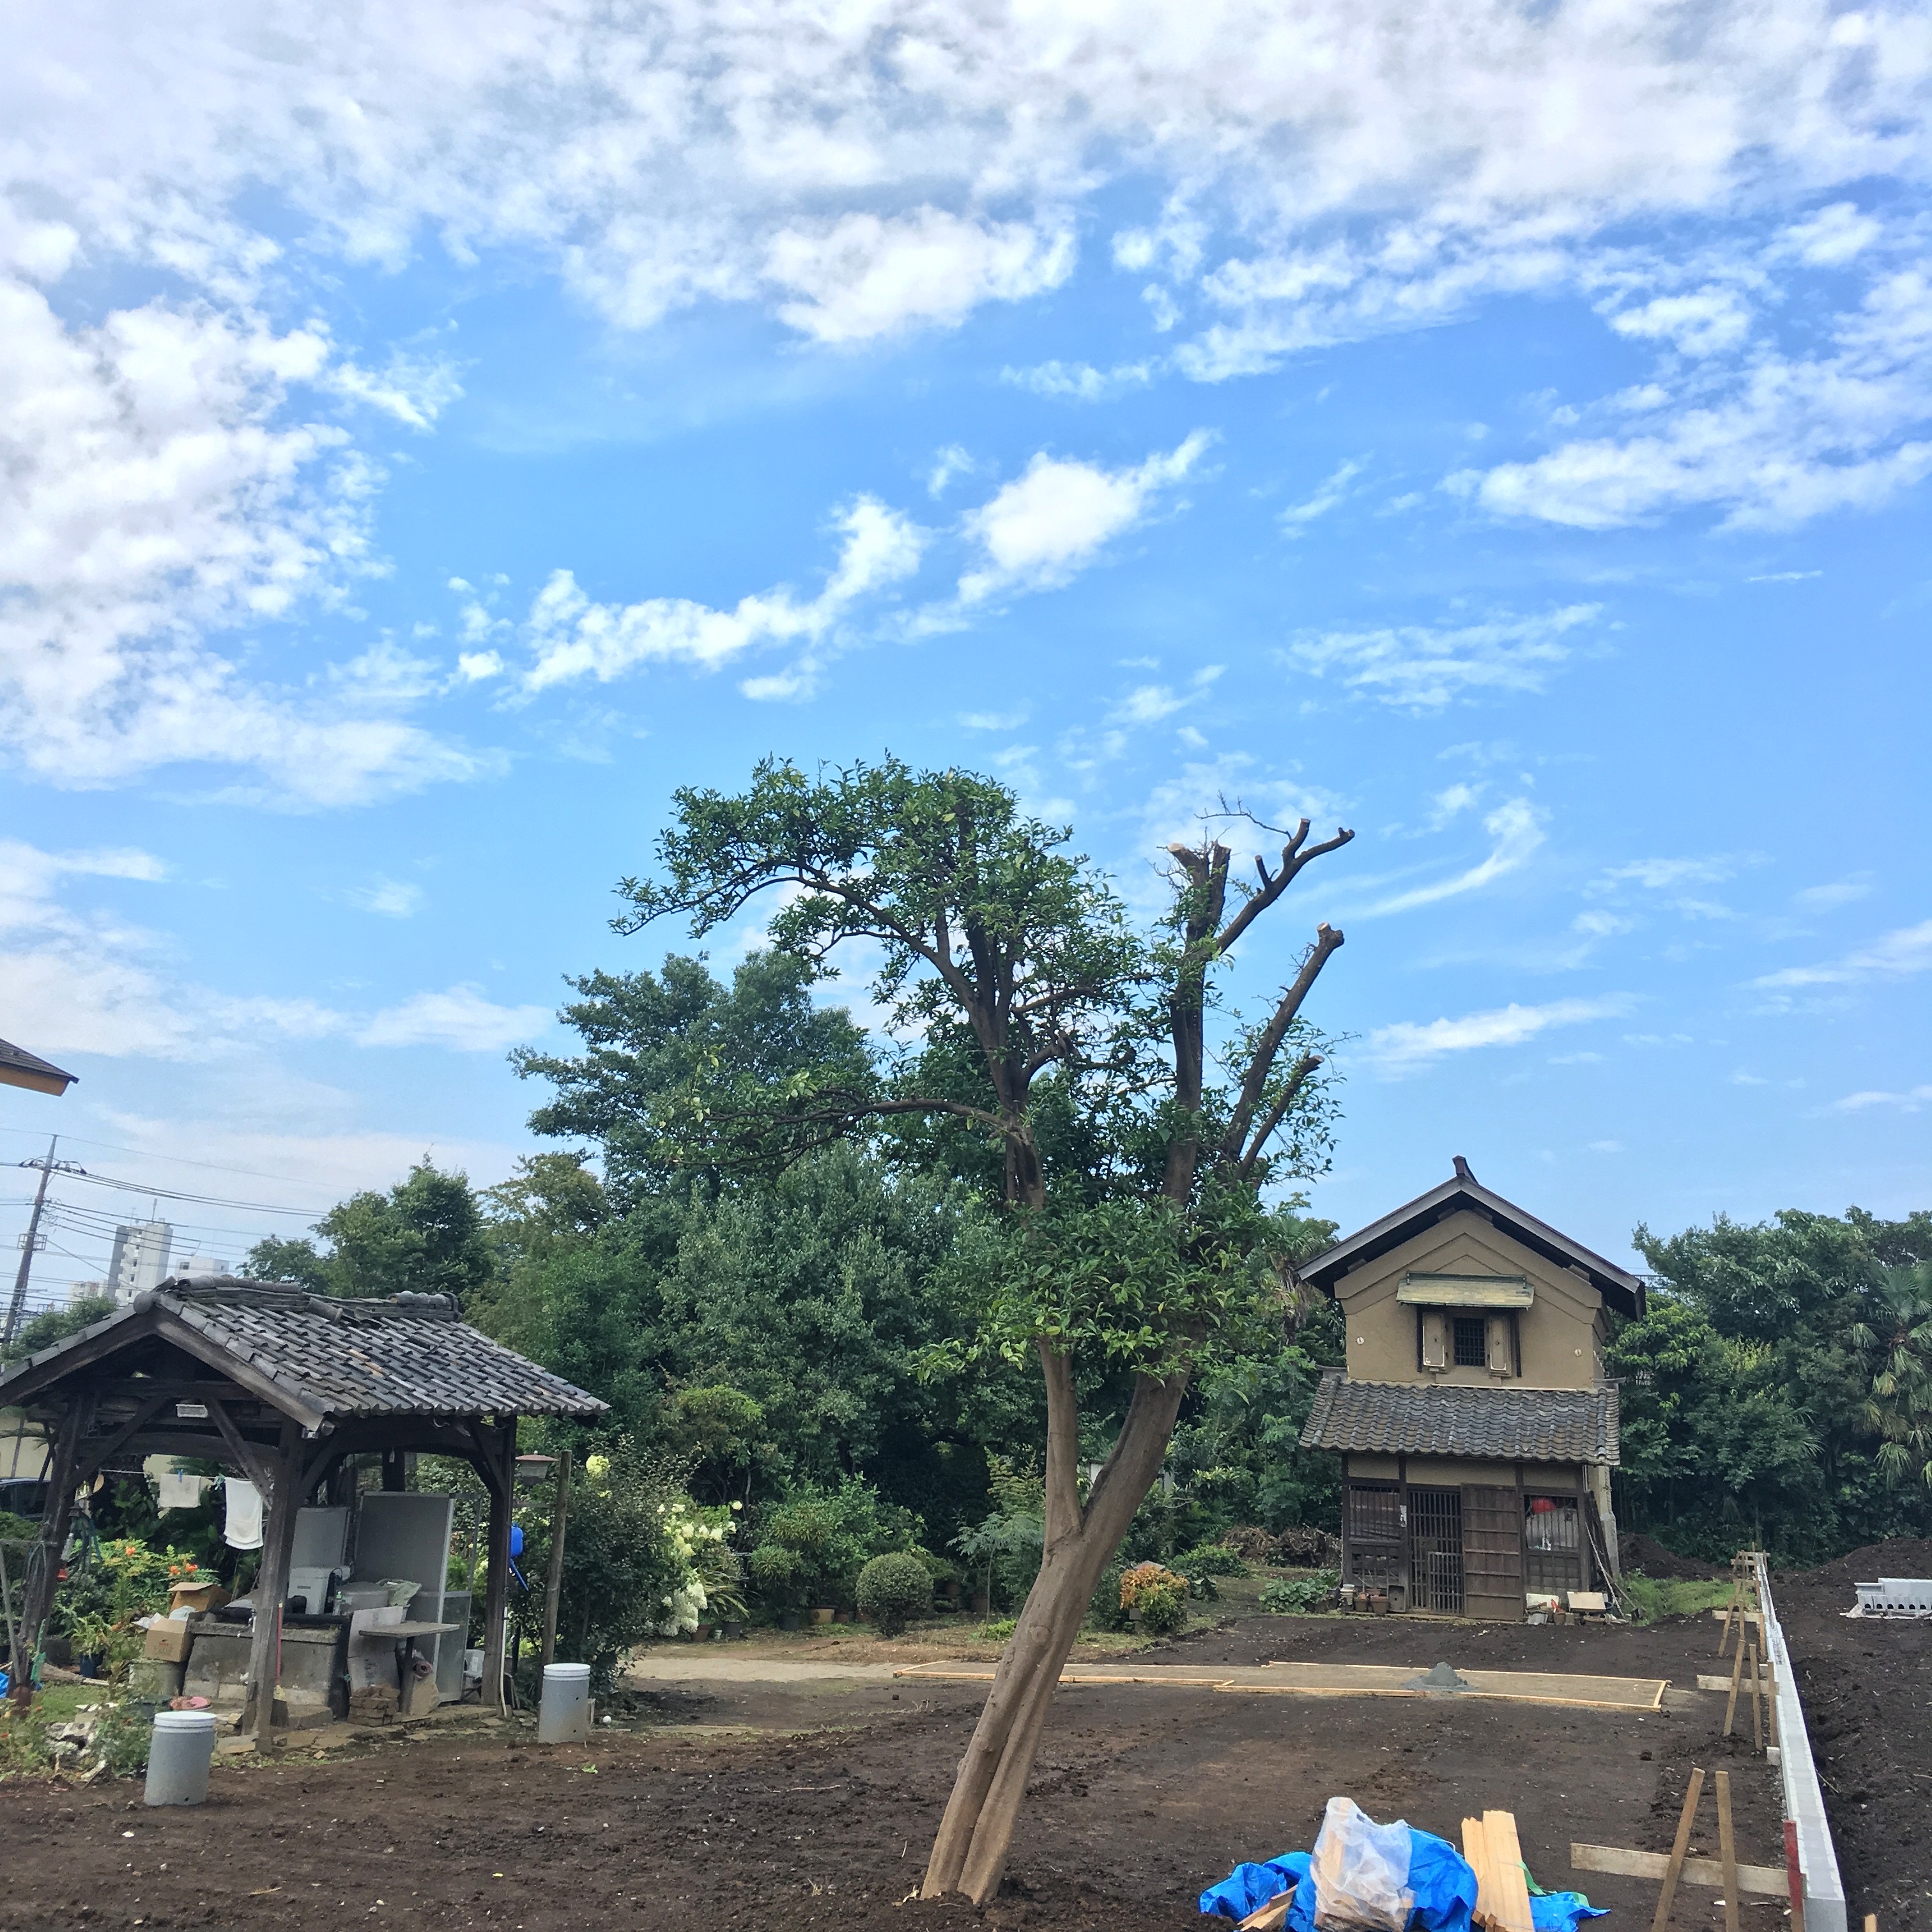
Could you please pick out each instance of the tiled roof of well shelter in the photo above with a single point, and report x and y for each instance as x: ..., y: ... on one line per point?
x: 402, y: 1354
x: 1506, y: 1425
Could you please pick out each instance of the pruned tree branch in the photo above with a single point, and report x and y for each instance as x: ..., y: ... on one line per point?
x: 1328, y: 941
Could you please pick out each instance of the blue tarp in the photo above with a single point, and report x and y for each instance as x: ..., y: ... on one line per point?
x: 1440, y: 1876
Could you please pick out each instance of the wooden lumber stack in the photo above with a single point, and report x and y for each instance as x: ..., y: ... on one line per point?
x: 1491, y: 1845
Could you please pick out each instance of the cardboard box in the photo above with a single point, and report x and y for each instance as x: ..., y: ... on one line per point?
x: 168, y: 1639
x: 208, y: 1596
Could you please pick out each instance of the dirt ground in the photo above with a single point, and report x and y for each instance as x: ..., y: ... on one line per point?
x: 818, y: 1801
x: 1866, y: 1686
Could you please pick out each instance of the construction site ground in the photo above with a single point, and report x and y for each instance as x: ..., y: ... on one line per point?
x: 809, y: 1798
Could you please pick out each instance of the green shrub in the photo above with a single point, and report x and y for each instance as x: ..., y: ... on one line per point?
x: 1210, y: 1559
x: 1156, y: 1595
x: 999, y: 1629
x: 1296, y: 1596
x: 891, y: 1589
x: 831, y: 1533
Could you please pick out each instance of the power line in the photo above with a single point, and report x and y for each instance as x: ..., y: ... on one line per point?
x: 149, y: 1153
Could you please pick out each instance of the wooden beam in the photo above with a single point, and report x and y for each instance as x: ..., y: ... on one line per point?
x: 1727, y: 1852
x: 93, y: 1455
x: 1673, y: 1867
x: 55, y: 1514
x: 284, y: 1498
x: 1760, y: 1881
x: 263, y: 1470
x: 497, y: 1587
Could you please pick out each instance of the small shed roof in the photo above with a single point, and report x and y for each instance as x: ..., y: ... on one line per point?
x: 319, y: 1357
x: 1620, y: 1289
x: 19, y: 1068
x: 1505, y: 1425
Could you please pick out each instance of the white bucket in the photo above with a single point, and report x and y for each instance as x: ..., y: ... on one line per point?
x: 563, y: 1716
x: 179, y: 1753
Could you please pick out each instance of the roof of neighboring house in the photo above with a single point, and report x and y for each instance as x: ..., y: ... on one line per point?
x: 1504, y: 1425
x: 318, y: 1357
x: 1621, y: 1289
x: 19, y: 1068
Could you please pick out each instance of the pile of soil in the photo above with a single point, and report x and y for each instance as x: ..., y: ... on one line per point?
x: 1866, y: 1686
x: 1645, y: 1553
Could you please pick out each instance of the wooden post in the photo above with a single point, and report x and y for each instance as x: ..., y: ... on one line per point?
x: 1674, y: 1870
x: 1727, y: 1852
x: 271, y: 1588
x: 553, y: 1585
x: 1737, y: 1674
x: 1757, y: 1694
x: 44, y: 1576
x: 500, y: 1473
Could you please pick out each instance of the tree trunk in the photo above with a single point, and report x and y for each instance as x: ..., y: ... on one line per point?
x: 969, y: 1856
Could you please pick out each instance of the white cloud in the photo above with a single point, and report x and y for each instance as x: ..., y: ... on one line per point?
x: 1516, y: 827
x: 1146, y: 704
x: 152, y: 495
x: 1838, y: 892
x: 1080, y: 381
x: 1665, y: 874
x: 1898, y: 956
x: 1423, y: 667
x: 1296, y: 520
x: 460, y: 1018
x: 1410, y: 1046
x: 995, y: 721
x: 1044, y: 527
x: 951, y: 461
x: 571, y: 637
x: 1909, y: 1102
x: 862, y: 276
x: 394, y: 899
x: 1700, y: 323
x: 1776, y: 439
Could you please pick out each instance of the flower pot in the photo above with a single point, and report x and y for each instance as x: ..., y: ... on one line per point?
x: 734, y: 1627
x: 702, y: 1634
x: 791, y: 1621
x: 88, y: 1666
x: 824, y: 1616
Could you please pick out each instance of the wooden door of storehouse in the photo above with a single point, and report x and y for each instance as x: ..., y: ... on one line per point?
x: 1492, y: 1551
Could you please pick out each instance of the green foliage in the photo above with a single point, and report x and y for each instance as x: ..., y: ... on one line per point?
x: 56, y: 1325
x: 892, y: 1589
x: 811, y: 1545
x: 1652, y: 1598
x: 1896, y: 1337
x: 1002, y: 1551
x: 122, y: 1580
x: 661, y: 1047
x: 425, y: 1236
x: 1747, y: 1411
x: 1296, y: 1596
x: 1203, y: 1563
x: 998, y: 1630
x: 624, y: 1570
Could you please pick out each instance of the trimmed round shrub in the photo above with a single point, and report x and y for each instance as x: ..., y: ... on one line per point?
x: 891, y: 1589
x: 1156, y: 1595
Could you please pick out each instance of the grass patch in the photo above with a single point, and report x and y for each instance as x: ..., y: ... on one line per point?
x: 1653, y: 1598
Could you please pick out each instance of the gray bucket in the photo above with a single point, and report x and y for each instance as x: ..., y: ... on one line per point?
x: 563, y: 1716
x: 178, y: 1752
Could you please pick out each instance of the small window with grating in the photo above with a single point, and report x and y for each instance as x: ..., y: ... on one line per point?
x: 1472, y: 1342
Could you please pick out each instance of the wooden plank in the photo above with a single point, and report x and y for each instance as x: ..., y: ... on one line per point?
x: 1757, y: 1881
x: 1727, y: 1852
x: 1477, y: 1854
x: 1706, y: 1682
x: 1505, y: 1850
x: 1737, y: 1677
x: 1673, y: 1868
x: 1757, y: 1700
x: 1269, y: 1917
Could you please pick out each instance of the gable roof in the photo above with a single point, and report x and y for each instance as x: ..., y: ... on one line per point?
x: 1620, y: 1289
x: 19, y: 1068
x: 319, y: 1357
x: 1504, y: 1425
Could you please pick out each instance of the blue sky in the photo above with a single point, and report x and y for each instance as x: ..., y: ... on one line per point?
x: 1502, y: 430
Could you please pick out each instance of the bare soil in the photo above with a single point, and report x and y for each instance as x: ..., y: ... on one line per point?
x: 817, y: 1808
x: 1867, y: 1685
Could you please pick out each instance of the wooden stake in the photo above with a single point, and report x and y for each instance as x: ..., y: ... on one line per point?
x: 1757, y: 1694
x: 1737, y: 1673
x: 1727, y: 1851
x: 1674, y: 1870
x: 1267, y: 1918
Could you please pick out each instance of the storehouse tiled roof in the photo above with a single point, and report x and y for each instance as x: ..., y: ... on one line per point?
x: 1504, y: 1425
x: 402, y: 1354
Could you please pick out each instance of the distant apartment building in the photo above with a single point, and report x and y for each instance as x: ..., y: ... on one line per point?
x: 140, y: 1258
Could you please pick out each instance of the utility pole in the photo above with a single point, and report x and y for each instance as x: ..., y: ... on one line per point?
x: 30, y: 1242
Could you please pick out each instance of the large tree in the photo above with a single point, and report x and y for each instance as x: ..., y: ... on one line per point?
x: 1023, y: 997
